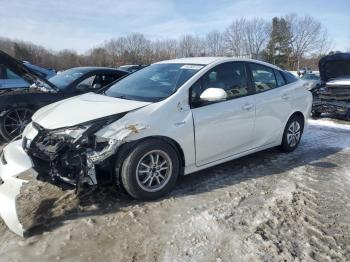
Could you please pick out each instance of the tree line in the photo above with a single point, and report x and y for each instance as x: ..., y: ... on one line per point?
x: 290, y: 42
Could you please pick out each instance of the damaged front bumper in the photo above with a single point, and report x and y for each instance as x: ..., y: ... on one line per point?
x: 13, y: 163
x: 50, y: 158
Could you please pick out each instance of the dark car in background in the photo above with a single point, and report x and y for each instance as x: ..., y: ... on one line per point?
x: 131, y: 68
x: 334, y: 94
x: 18, y: 104
x: 9, y: 79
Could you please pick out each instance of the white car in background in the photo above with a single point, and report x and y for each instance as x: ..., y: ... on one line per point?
x: 171, y: 118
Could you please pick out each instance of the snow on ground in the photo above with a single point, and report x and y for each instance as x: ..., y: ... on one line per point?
x: 268, y: 206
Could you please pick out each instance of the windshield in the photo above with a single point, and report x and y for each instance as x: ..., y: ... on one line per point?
x: 154, y: 82
x: 310, y: 77
x: 65, y: 78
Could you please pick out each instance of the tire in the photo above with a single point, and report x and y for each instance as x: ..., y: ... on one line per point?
x: 14, y: 121
x: 292, y: 134
x: 144, y: 180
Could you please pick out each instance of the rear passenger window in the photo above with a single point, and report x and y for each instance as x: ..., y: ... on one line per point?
x: 263, y: 77
x: 279, y: 78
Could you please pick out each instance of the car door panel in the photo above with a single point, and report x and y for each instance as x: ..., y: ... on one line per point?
x: 223, y: 129
x: 272, y: 105
x: 272, y: 110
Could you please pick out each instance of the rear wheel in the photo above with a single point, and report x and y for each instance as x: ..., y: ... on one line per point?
x: 292, y: 134
x: 151, y: 170
x: 14, y: 121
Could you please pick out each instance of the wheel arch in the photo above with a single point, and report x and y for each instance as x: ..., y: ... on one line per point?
x: 298, y: 114
x: 125, y: 149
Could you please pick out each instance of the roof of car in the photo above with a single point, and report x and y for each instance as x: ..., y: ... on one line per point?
x: 209, y: 60
x: 93, y: 68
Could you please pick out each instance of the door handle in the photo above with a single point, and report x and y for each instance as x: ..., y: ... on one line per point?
x: 180, y: 123
x: 285, y: 97
x: 247, y: 107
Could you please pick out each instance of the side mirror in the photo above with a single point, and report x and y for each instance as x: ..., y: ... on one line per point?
x: 213, y: 95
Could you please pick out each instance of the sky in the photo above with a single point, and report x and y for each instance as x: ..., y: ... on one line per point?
x: 84, y: 24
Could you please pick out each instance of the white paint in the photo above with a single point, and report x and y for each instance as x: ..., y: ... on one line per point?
x: 17, y: 163
x: 83, y: 108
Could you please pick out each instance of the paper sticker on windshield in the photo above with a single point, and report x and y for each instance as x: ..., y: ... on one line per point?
x: 193, y: 67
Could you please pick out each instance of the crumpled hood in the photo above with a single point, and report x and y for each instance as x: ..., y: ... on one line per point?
x: 81, y: 109
x: 334, y: 66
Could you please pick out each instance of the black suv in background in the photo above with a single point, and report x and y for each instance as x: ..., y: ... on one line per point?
x: 17, y: 105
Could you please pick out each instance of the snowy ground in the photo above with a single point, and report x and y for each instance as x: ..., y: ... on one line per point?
x: 268, y: 206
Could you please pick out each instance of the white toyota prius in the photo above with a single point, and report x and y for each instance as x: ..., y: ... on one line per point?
x: 169, y: 119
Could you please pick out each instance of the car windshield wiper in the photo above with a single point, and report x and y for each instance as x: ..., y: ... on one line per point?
x: 124, y: 97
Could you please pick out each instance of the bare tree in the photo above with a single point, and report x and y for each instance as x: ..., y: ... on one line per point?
x: 234, y: 38
x: 286, y: 41
x: 137, y: 48
x: 307, y: 36
x: 115, y: 48
x: 256, y: 36
x: 214, y: 43
x: 324, y: 44
x: 164, y: 49
x: 190, y: 45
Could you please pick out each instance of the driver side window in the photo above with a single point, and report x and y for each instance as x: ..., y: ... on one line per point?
x: 231, y: 77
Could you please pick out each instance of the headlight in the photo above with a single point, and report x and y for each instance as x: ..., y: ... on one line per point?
x: 73, y: 132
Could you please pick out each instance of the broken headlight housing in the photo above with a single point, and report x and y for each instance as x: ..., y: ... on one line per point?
x: 72, y: 132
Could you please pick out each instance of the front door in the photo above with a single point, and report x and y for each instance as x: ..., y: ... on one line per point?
x: 225, y: 128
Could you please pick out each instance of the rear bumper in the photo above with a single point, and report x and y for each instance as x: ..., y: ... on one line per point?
x: 14, y: 162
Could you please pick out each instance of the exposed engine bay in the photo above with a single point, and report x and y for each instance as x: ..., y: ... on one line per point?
x: 72, y: 155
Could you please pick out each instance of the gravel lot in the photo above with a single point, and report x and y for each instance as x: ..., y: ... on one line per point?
x: 268, y: 206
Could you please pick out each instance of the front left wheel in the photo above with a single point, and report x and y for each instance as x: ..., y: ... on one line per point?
x: 151, y: 170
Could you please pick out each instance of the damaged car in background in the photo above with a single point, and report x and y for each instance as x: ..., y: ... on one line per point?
x: 18, y: 104
x: 171, y: 118
x: 334, y: 94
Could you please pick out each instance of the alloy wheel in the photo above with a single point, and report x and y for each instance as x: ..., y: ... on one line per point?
x: 293, y: 134
x: 154, y: 170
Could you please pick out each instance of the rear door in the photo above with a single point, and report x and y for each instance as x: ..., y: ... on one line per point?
x: 225, y: 128
x: 272, y: 104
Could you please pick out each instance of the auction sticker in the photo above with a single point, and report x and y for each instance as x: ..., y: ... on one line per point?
x: 193, y: 67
